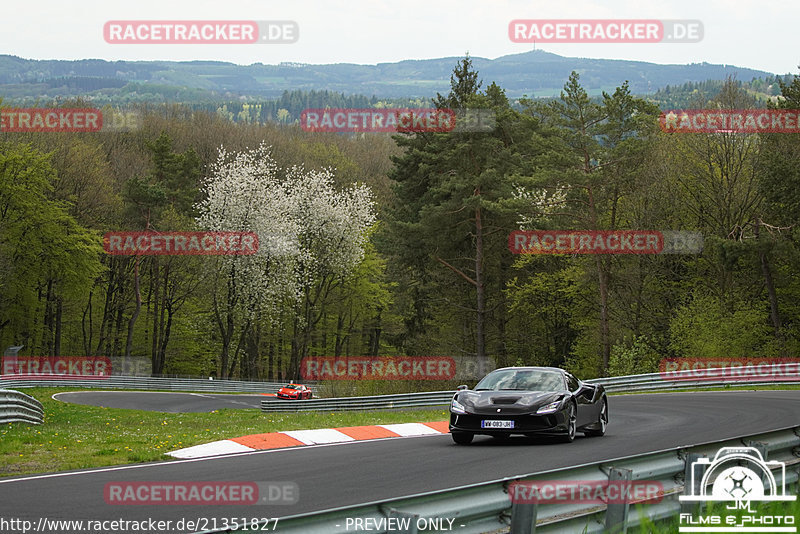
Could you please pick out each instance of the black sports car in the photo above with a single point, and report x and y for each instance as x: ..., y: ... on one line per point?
x: 544, y: 401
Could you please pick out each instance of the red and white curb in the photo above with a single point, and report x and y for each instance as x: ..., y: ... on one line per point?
x: 298, y: 438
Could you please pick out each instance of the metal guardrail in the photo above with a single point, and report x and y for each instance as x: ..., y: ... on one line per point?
x: 16, y: 407
x: 487, y: 507
x: 400, y: 400
x: 632, y: 383
x: 620, y: 384
x: 142, y: 382
x: 689, y: 379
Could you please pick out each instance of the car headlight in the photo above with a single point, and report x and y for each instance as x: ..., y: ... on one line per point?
x: 549, y: 408
x: 457, y: 407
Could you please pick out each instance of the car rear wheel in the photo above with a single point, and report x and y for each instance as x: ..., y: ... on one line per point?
x: 572, y: 421
x: 602, y: 421
x: 462, y: 438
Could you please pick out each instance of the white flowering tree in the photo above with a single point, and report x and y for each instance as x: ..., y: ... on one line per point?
x: 333, y: 235
x: 538, y: 204
x: 243, y: 193
x: 310, y: 236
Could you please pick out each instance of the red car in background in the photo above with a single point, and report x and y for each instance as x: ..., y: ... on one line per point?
x: 294, y: 391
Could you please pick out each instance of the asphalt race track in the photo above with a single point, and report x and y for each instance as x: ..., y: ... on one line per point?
x: 345, y: 474
x: 153, y: 401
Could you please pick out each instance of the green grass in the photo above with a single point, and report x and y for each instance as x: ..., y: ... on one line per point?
x: 74, y: 436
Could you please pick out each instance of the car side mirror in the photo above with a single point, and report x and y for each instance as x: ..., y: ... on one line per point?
x: 462, y: 387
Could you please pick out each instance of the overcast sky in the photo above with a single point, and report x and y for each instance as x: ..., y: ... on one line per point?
x: 761, y: 34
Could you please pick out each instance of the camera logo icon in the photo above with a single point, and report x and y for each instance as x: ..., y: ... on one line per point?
x: 736, y: 474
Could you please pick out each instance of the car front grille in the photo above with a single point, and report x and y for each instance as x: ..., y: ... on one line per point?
x: 522, y: 423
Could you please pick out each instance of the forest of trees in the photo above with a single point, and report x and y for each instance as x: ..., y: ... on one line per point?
x: 428, y: 270
x: 682, y: 96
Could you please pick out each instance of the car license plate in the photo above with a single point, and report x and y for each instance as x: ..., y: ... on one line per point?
x: 497, y: 424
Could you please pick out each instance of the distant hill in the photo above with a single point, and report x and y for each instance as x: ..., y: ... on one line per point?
x: 534, y: 73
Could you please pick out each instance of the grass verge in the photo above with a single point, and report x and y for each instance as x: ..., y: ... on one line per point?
x: 79, y: 437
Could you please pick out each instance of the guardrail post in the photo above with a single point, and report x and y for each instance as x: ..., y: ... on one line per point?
x: 692, y: 485
x: 617, y: 512
x: 523, y: 518
x: 412, y: 521
x: 762, y: 448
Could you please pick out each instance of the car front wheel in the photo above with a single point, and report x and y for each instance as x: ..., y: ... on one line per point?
x: 572, y: 421
x: 462, y: 438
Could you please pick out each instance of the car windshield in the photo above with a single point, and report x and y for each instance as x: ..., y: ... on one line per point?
x: 521, y: 380
x: 292, y: 386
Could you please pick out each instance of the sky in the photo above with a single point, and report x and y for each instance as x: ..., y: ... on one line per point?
x: 760, y: 34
